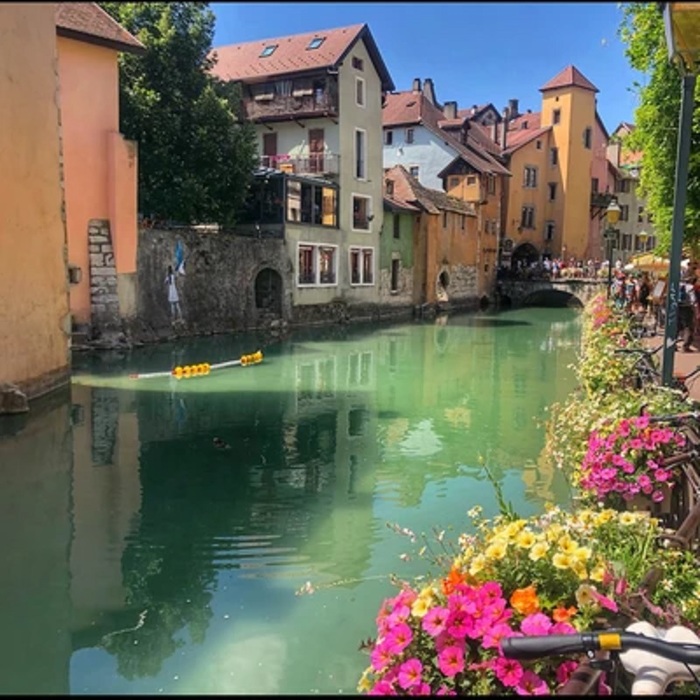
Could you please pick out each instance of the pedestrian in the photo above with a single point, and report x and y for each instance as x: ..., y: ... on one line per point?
x: 173, y: 296
x: 686, y: 312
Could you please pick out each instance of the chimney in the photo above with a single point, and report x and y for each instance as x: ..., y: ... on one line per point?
x: 512, y: 109
x: 450, y: 110
x: 494, y: 132
x: 506, y: 119
x: 416, y: 85
x: 429, y: 91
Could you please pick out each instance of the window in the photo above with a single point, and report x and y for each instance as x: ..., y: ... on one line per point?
x: 471, y: 180
x: 552, y: 191
x: 491, y: 184
x: 413, y: 170
x: 556, y: 116
x: 360, y: 145
x: 624, y: 212
x: 444, y: 219
x: 268, y: 51
x: 538, y: 145
x: 549, y: 231
x: 640, y: 215
x: 388, y: 137
x: 395, y: 269
x: 389, y: 187
x: 453, y: 182
x: 410, y: 135
x: 357, y: 63
x: 317, y: 264
x: 312, y: 204
x: 594, y: 184
x: 463, y: 221
x: 530, y: 176
x: 527, y: 218
x: 623, y: 185
x: 360, y: 92
x: 397, y: 226
x: 315, y: 43
x: 554, y: 156
x: 360, y: 212
x: 361, y: 265
x: 587, y: 137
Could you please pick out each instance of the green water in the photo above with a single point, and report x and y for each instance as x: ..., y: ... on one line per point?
x: 140, y: 558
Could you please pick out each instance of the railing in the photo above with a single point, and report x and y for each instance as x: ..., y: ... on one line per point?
x: 314, y: 164
x: 321, y: 103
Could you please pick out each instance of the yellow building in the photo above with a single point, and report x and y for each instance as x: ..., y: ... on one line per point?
x: 555, y: 171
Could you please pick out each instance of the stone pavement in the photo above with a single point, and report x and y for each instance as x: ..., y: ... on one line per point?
x: 683, y: 362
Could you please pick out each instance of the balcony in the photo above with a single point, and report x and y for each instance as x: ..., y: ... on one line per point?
x: 599, y: 203
x: 324, y: 164
x: 271, y: 106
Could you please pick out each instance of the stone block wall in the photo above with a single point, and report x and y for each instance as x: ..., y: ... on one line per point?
x: 104, y: 297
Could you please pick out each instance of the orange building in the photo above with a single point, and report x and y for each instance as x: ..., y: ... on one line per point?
x: 445, y: 247
x: 100, y: 166
x: 34, y: 318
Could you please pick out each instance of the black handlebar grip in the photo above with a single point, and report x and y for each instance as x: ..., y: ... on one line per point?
x: 540, y: 646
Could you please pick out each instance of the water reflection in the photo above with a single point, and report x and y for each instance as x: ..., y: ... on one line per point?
x: 172, y: 565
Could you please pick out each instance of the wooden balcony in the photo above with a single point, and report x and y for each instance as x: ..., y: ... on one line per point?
x: 599, y: 203
x: 277, y: 107
x: 325, y: 164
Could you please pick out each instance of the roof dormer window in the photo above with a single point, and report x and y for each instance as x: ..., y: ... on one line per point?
x: 268, y: 51
x: 315, y: 43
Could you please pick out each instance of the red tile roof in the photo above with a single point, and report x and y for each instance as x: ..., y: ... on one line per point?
x: 532, y: 119
x: 87, y: 21
x: 570, y: 76
x: 393, y: 204
x: 244, y: 62
x: 517, y: 139
x: 408, y: 189
x: 407, y: 108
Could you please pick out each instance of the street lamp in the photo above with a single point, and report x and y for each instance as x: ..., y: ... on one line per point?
x: 643, y: 240
x: 612, y: 216
x: 682, y: 27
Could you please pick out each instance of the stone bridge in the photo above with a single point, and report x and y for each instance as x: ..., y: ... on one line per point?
x: 543, y: 292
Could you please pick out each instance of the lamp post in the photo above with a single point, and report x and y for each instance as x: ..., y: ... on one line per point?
x: 612, y: 216
x: 643, y: 240
x: 682, y: 28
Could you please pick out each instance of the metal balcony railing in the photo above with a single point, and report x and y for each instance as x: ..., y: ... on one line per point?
x: 314, y: 164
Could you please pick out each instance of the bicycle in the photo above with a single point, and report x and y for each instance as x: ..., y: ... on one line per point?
x: 646, y: 371
x: 654, y: 663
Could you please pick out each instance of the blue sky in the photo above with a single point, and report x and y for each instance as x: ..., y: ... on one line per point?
x: 474, y: 52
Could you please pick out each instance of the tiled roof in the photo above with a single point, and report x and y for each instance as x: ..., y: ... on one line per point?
x: 570, y: 76
x: 532, y: 119
x: 408, y: 189
x: 394, y: 204
x: 517, y: 139
x: 474, y: 110
x: 291, y: 55
x: 406, y: 108
x: 87, y: 21
x: 482, y: 134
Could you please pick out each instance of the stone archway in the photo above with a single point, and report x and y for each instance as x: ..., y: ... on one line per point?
x: 526, y: 254
x: 268, y: 291
x: 441, y: 285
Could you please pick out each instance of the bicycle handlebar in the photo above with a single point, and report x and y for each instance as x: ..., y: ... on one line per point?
x: 640, y: 351
x: 675, y: 417
x: 537, y: 647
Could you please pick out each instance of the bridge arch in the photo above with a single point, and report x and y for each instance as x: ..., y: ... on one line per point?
x: 551, y: 298
x: 543, y: 292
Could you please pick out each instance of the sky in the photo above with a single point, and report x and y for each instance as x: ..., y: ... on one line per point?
x: 475, y: 52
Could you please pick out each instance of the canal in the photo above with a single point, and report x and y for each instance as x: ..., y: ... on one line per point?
x: 156, y: 532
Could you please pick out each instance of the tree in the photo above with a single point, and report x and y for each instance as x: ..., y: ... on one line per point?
x: 656, y: 119
x: 196, y: 152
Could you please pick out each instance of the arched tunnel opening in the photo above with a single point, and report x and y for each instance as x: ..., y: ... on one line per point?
x: 552, y: 298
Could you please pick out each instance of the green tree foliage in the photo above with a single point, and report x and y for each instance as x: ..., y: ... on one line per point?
x: 196, y: 152
x: 656, y: 119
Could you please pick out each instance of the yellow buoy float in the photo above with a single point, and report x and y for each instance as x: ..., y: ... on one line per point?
x: 202, y: 369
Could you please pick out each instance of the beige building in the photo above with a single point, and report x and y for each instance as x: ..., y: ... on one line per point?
x: 635, y: 225
x: 316, y: 102
x: 34, y: 314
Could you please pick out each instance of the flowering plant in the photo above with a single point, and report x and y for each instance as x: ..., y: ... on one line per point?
x: 552, y: 574
x: 627, y: 459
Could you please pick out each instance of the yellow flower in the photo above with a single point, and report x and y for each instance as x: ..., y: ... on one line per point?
x: 582, y: 554
x: 627, y: 518
x: 553, y: 532
x: 598, y: 573
x: 579, y: 568
x: 478, y: 563
x: 497, y: 550
x: 584, y: 595
x: 525, y: 539
x: 561, y: 561
x: 567, y: 545
x: 365, y: 684
x: 421, y: 605
x: 604, y: 516
x: 538, y: 550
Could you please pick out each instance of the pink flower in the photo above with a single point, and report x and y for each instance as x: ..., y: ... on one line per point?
x: 562, y: 628
x: 662, y: 475
x: 508, y: 671
x: 459, y: 625
x: 457, y: 603
x: 657, y: 496
x: 493, y: 635
x: 435, y: 621
x: 447, y: 640
x: 444, y: 690
x: 565, y: 670
x: 381, y: 657
x: 382, y: 688
x: 410, y: 673
x: 490, y: 592
x: 536, y: 624
x: 421, y: 689
x: 531, y: 684
x: 451, y: 661
x: 399, y: 638
x: 400, y: 613
x: 604, y: 602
